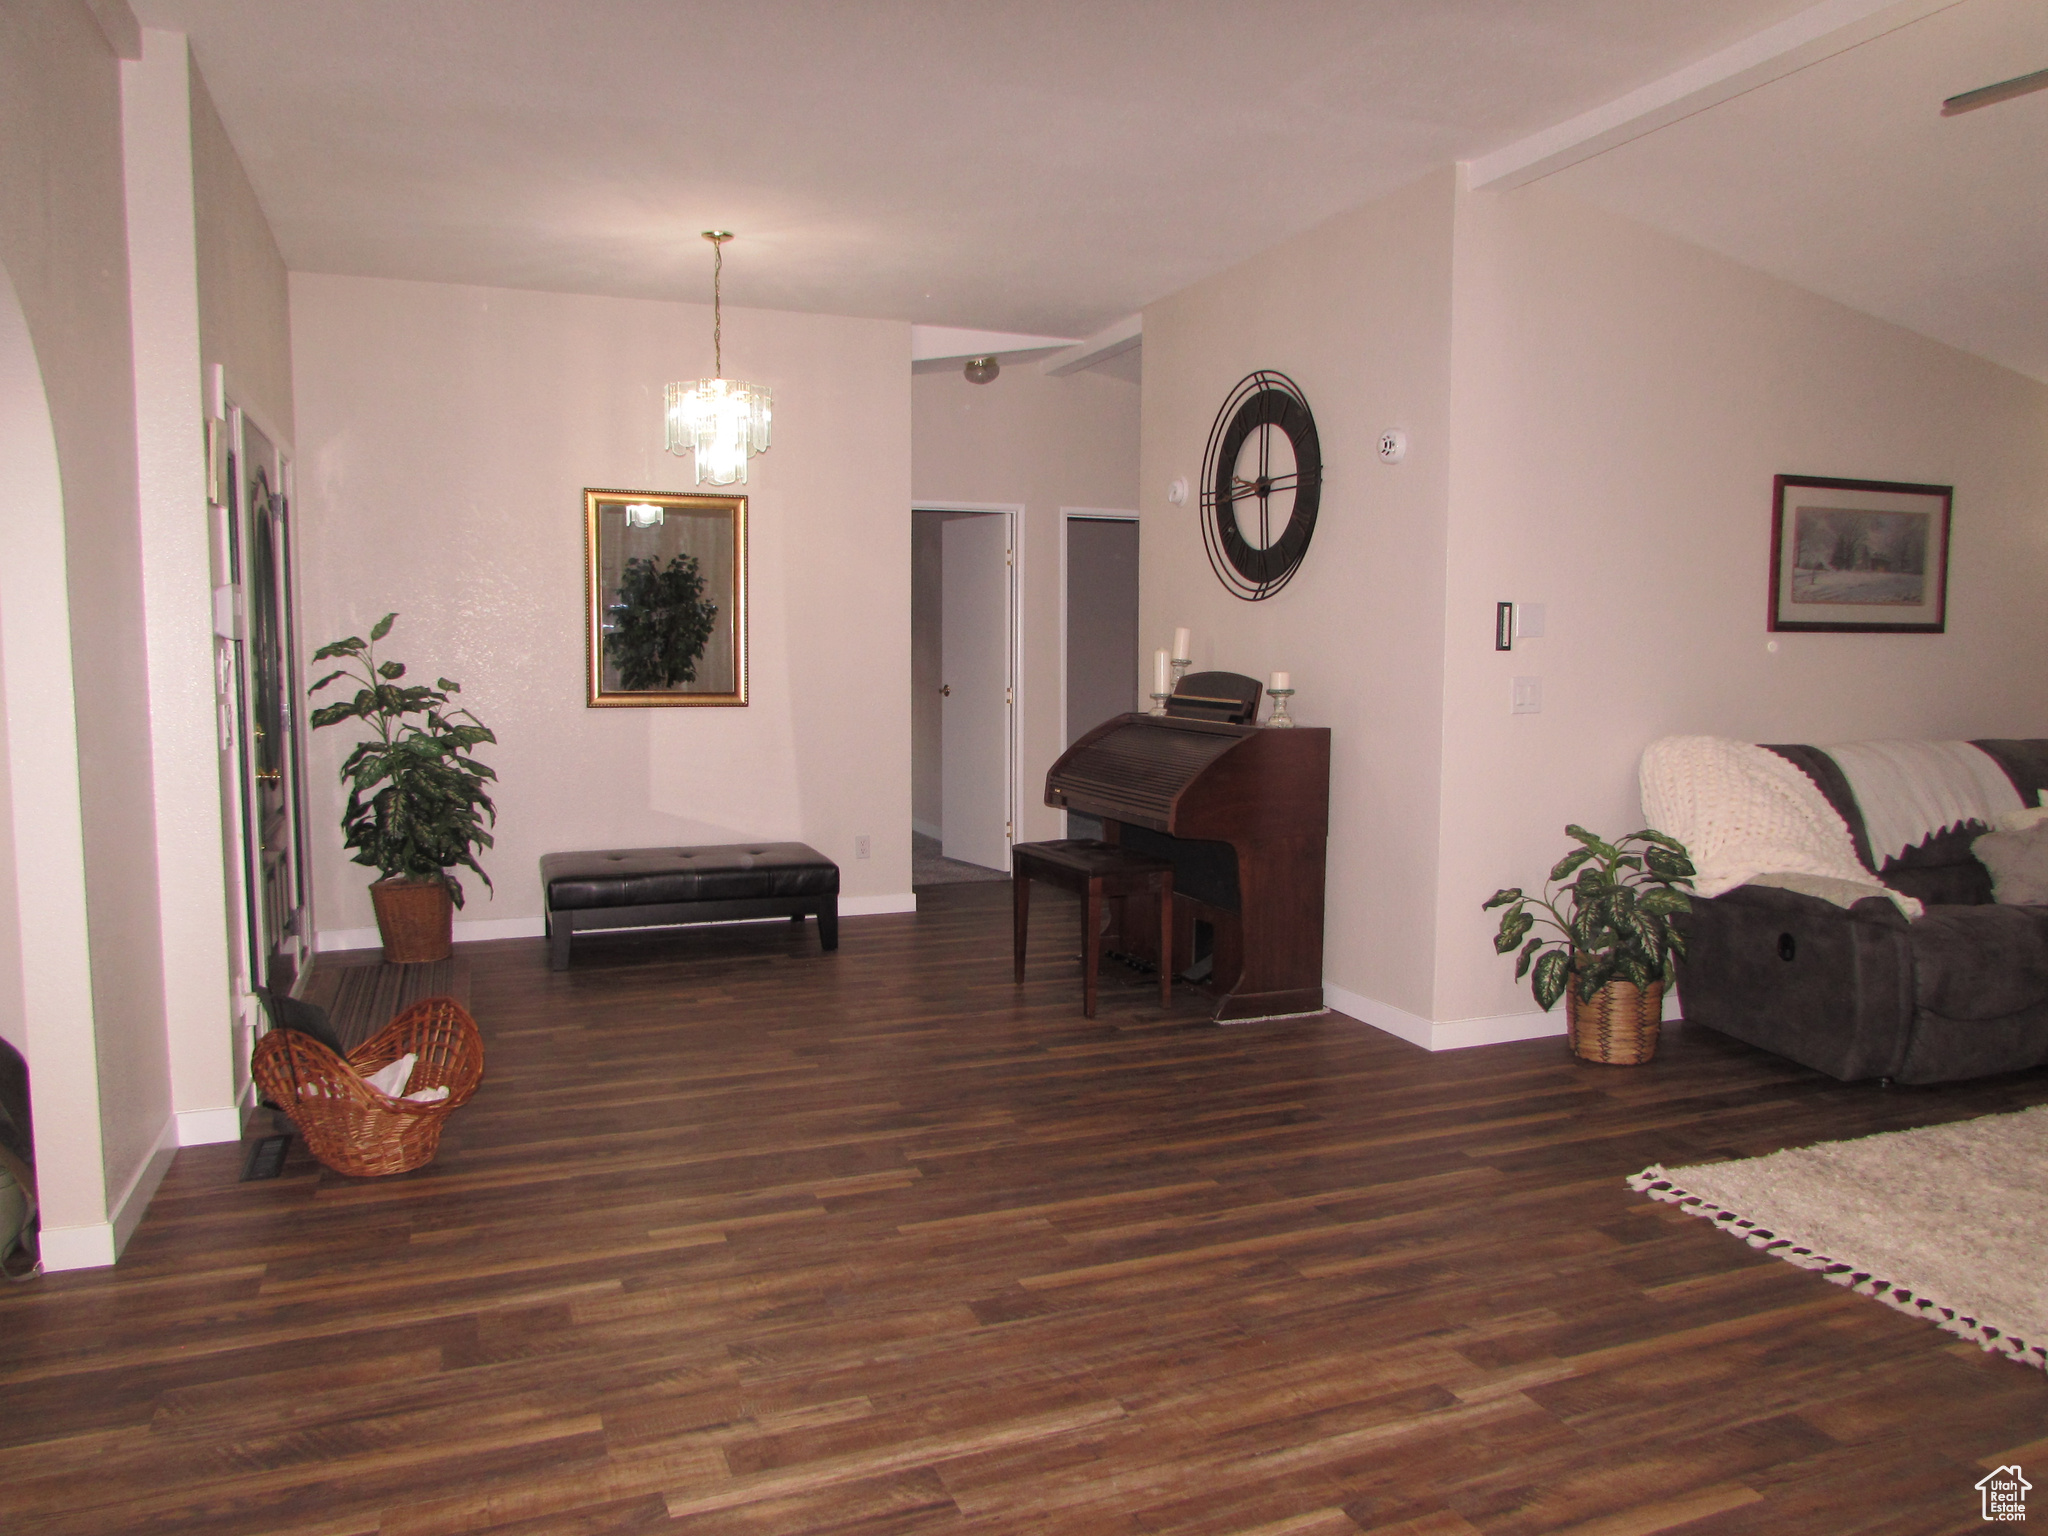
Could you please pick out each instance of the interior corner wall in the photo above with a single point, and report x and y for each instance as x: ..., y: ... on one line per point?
x: 244, y: 293
x: 97, y: 1053
x: 446, y: 435
x: 1043, y: 443
x: 1623, y: 400
x: 1358, y: 313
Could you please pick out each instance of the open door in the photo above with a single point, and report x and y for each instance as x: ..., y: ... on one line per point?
x: 263, y: 712
x: 977, y: 690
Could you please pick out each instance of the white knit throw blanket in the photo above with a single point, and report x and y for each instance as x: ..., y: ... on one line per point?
x: 1742, y: 811
x: 1910, y: 790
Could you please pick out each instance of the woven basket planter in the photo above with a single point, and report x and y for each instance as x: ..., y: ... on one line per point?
x: 1619, y: 1026
x: 350, y: 1126
x: 415, y: 919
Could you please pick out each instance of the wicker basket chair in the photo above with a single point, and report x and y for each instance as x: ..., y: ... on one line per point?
x: 350, y: 1126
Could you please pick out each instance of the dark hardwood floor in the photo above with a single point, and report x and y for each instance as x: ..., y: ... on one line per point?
x: 739, y: 1238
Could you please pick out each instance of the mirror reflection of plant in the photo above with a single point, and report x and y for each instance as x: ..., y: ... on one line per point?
x: 416, y: 799
x: 662, y: 624
x: 1613, y: 920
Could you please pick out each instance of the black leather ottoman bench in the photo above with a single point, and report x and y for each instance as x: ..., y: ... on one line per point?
x: 658, y: 887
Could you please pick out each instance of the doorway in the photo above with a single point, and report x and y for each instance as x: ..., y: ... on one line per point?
x: 963, y: 689
x: 1099, y: 627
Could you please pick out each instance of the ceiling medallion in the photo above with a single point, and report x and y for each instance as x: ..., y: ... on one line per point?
x: 1262, y: 479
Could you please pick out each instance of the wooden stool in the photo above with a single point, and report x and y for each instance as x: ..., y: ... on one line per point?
x: 1093, y: 870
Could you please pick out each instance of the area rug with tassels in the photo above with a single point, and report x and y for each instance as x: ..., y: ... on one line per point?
x: 1948, y: 1223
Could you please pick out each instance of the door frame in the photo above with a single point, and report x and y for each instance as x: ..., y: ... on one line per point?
x: 1013, y: 757
x: 1089, y: 515
x: 236, y: 807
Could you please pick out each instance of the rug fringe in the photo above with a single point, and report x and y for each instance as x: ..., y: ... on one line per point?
x: 1656, y: 1182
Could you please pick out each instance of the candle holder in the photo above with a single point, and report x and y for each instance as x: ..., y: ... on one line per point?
x: 1180, y: 670
x: 1159, y: 703
x: 1279, y: 719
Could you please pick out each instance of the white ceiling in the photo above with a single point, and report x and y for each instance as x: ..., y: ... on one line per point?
x: 1043, y: 166
x: 1047, y: 166
x: 1845, y: 178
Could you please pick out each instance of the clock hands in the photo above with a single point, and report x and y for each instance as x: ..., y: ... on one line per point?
x: 1263, y: 486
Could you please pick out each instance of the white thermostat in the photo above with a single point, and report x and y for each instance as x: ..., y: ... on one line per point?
x: 1177, y: 493
x: 1393, y: 447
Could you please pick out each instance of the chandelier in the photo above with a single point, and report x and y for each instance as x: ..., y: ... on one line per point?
x: 724, y: 422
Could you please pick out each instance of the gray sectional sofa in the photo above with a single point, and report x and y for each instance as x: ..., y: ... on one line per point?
x: 1960, y: 992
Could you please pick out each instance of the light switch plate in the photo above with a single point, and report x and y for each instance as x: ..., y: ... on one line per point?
x: 1527, y: 698
x: 1530, y: 619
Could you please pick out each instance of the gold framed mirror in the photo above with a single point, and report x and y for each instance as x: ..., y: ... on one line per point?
x: 665, y: 582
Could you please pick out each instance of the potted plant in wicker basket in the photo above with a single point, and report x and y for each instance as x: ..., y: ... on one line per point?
x: 416, y: 798
x: 1612, y: 957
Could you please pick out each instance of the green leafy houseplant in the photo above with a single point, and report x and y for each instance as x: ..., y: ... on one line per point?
x: 416, y: 800
x: 1612, y: 920
x: 662, y: 623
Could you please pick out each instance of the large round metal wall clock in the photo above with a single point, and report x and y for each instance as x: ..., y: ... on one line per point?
x: 1262, y: 479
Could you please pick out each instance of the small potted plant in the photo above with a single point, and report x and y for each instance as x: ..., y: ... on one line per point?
x: 1612, y: 955
x: 416, y: 799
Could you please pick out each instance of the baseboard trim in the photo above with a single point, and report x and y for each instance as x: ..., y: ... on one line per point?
x: 877, y: 906
x: 1460, y: 1034
x: 929, y: 829
x: 1456, y: 1035
x: 209, y: 1127
x: 1500, y: 1029
x: 128, y: 1213
x: 467, y: 931
x: 332, y: 939
x: 95, y: 1245
x: 87, y: 1247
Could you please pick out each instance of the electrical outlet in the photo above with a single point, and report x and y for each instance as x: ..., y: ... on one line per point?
x: 1527, y: 698
x: 860, y: 846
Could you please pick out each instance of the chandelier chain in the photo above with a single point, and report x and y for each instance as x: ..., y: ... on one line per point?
x: 717, y: 309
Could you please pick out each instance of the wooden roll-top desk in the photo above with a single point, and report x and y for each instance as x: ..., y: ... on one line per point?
x: 1243, y: 813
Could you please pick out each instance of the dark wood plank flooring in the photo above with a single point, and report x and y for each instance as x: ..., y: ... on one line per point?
x: 739, y: 1238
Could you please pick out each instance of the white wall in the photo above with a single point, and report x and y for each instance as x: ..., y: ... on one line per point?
x: 244, y: 298
x: 89, y: 974
x: 446, y: 435
x: 1043, y: 443
x: 1623, y: 400
x: 1358, y: 313
x: 207, y: 286
x: 1595, y: 414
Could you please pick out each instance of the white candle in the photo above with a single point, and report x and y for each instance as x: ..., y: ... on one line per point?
x: 1180, y: 645
x: 1162, y: 672
x: 1278, y: 682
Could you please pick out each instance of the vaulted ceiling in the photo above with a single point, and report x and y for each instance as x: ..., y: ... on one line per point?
x: 1046, y: 166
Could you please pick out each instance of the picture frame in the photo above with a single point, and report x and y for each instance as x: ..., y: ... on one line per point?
x: 665, y: 599
x: 1859, y: 556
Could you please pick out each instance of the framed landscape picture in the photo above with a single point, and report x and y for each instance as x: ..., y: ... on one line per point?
x: 665, y: 581
x: 1859, y: 555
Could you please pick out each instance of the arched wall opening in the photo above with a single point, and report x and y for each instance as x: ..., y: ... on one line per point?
x: 45, y: 980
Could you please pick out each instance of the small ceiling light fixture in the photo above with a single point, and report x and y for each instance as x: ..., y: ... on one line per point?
x: 724, y: 422
x: 980, y: 370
